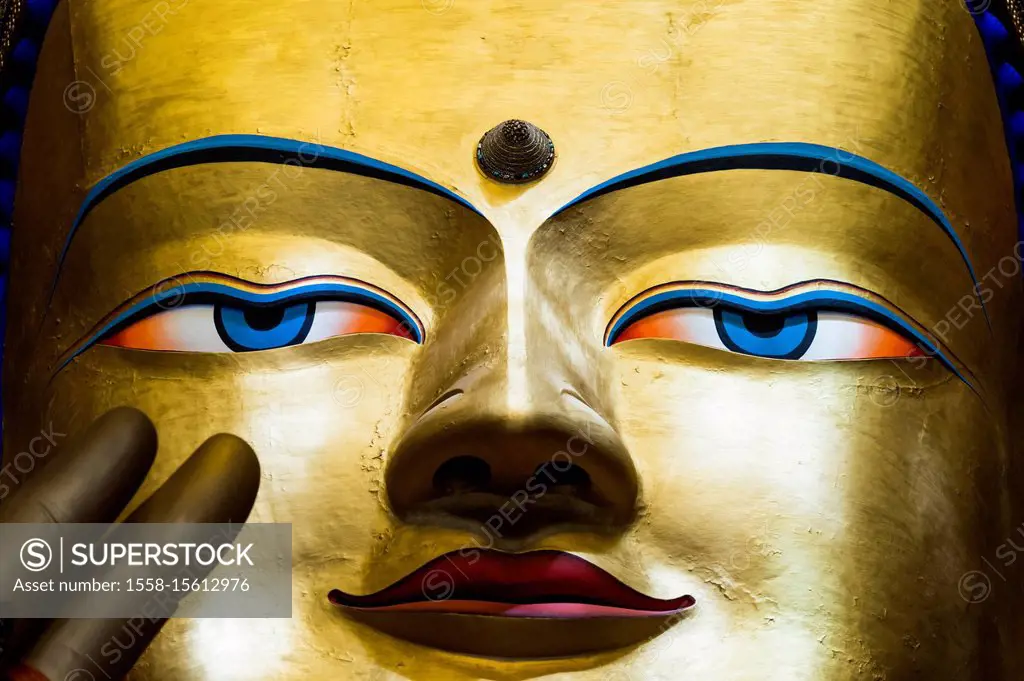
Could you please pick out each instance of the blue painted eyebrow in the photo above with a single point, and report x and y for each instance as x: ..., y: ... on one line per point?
x: 798, y: 156
x: 839, y: 301
x: 250, y: 148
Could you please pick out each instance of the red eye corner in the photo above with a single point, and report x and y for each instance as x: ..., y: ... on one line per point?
x: 363, y: 319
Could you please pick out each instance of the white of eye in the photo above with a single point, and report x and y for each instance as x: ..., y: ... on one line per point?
x: 697, y: 325
x: 191, y: 328
x: 330, y: 316
x: 838, y: 336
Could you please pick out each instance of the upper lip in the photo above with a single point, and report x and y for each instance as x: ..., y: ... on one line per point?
x: 452, y: 581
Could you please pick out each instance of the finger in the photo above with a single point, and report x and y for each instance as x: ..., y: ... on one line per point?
x: 90, y: 482
x: 217, y: 484
x: 93, y: 481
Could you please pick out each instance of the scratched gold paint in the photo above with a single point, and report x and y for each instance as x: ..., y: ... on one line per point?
x: 822, y: 514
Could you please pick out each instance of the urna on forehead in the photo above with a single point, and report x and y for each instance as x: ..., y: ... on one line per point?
x: 617, y: 85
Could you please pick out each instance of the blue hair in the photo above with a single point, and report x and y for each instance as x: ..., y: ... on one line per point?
x: 26, y: 32
x: 28, y: 29
x: 1005, y: 50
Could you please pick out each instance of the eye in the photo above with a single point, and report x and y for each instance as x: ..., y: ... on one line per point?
x: 209, y: 319
x: 803, y: 332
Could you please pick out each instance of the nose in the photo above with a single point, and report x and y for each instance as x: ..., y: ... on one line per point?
x: 513, y: 427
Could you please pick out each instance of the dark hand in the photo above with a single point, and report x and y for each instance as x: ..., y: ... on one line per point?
x: 92, y: 481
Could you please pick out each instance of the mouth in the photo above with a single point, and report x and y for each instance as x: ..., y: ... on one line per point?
x: 528, y: 605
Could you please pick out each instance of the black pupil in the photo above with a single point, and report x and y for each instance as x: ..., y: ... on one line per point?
x: 764, y: 325
x: 264, y: 318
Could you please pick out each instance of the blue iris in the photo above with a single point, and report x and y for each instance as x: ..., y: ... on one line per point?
x: 253, y: 327
x: 777, y: 336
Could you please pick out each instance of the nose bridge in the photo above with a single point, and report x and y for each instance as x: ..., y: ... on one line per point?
x: 500, y: 403
x: 551, y: 353
x: 535, y: 376
x: 498, y: 343
x: 517, y: 380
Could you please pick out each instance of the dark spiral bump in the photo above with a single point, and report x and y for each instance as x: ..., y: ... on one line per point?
x: 515, y: 152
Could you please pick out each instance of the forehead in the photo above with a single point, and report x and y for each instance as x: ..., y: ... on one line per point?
x: 617, y: 85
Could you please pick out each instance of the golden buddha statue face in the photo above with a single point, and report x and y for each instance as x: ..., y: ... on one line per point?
x: 724, y: 392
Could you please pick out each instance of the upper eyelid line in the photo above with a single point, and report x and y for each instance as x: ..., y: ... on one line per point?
x: 749, y: 296
x: 630, y: 311
x: 745, y: 299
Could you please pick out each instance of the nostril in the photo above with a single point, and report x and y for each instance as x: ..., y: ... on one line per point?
x: 573, y: 476
x: 462, y: 474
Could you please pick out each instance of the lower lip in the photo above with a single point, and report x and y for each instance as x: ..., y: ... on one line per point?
x: 518, y: 632
x: 535, y: 610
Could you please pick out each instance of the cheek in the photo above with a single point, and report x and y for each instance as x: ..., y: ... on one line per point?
x: 318, y: 416
x: 807, y: 489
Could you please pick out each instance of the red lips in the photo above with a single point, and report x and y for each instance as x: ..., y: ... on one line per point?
x: 541, y: 584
